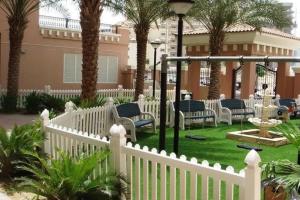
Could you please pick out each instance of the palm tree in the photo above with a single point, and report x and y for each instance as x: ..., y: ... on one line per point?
x: 17, y: 13
x: 219, y: 15
x: 142, y: 13
x: 90, y: 13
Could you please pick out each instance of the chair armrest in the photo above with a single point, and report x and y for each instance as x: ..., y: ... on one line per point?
x: 211, y: 110
x: 149, y: 114
x: 172, y: 106
x: 225, y: 110
x: 250, y: 108
x: 283, y: 108
x: 125, y: 119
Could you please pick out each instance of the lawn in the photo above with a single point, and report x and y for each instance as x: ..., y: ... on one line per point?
x: 216, y: 148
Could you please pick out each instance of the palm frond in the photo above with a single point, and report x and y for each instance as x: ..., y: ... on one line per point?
x: 71, y: 178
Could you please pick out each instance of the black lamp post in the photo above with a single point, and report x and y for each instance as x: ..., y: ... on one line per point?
x: 180, y: 7
x: 155, y: 44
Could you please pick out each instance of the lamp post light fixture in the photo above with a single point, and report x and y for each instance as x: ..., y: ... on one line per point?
x: 180, y: 7
x: 155, y: 44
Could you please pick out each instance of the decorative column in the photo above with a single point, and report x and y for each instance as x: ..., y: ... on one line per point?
x: 297, y: 81
x: 248, y: 79
x: 194, y: 79
x: 184, y: 78
x: 281, y: 82
x: 227, y: 77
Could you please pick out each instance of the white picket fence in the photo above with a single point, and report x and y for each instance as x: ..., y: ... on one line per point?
x: 98, y: 120
x: 69, y: 94
x: 153, y: 174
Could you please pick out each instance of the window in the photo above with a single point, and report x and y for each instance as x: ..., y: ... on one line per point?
x: 204, y: 74
x: 107, y: 68
x: 72, y: 68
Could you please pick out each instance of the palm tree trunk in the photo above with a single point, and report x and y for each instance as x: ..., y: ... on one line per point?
x: 16, y: 35
x: 90, y: 24
x: 216, y: 41
x: 141, y: 40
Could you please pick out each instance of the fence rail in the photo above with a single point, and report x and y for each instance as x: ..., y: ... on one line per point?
x: 66, y: 95
x: 70, y: 24
x: 98, y: 120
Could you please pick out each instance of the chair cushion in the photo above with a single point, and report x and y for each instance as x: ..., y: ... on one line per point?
x: 191, y: 106
x: 243, y: 113
x: 200, y: 117
x: 128, y: 110
x: 233, y: 104
x: 142, y: 122
x: 287, y: 102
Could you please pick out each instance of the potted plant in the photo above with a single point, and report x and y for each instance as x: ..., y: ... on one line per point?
x: 283, y: 176
x: 283, y: 180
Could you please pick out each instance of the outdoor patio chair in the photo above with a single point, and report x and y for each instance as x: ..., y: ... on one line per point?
x: 131, y: 117
x: 286, y: 107
x: 230, y: 108
x: 191, y: 111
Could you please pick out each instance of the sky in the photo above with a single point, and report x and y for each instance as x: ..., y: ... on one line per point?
x: 109, y: 17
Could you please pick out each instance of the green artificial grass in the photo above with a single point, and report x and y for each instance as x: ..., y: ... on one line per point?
x: 216, y: 148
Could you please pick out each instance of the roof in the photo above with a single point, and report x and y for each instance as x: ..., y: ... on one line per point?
x: 246, y: 28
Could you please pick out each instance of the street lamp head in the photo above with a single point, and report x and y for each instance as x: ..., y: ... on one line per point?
x: 181, y: 7
x: 155, y: 43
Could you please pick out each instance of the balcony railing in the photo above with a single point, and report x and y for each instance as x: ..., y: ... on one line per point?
x: 70, y: 24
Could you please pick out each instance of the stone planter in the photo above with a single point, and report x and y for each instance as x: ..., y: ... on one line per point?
x: 274, y: 193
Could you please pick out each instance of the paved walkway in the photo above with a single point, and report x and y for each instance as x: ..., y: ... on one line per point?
x: 8, y: 121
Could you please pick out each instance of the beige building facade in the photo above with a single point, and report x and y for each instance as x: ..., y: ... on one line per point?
x: 51, y: 54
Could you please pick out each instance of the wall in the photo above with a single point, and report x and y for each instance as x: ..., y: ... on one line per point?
x: 42, y: 60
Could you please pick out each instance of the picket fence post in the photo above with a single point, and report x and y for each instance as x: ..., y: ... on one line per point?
x: 173, y: 93
x: 120, y: 91
x: 150, y: 91
x: 47, y: 89
x: 45, y: 122
x: 252, y: 176
x: 141, y: 102
x: 117, y: 142
x: 69, y: 108
x: 251, y: 100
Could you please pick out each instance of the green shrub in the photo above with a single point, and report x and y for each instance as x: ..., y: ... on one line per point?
x: 122, y: 100
x: 150, y: 98
x: 100, y: 101
x: 52, y: 103
x: 15, y: 144
x: 33, y: 103
x: 9, y: 103
x: 36, y: 103
x: 76, y: 100
x: 70, y: 178
x: 88, y: 103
